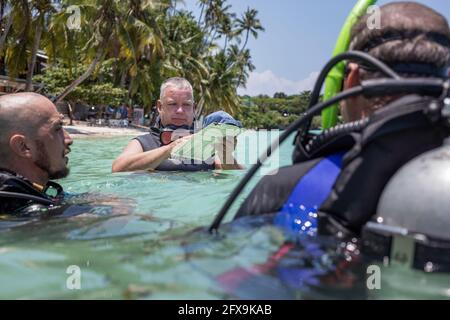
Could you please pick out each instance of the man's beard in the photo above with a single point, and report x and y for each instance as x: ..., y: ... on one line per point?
x: 43, y: 162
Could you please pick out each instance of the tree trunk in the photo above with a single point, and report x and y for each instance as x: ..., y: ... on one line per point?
x: 86, y: 74
x: 34, y: 50
x: 201, y: 14
x: 5, y: 32
x: 199, y: 111
x: 245, y: 43
x: 130, y: 86
x: 240, y: 53
x: 70, y: 111
x: 174, y: 9
x: 213, y: 36
x: 123, y: 78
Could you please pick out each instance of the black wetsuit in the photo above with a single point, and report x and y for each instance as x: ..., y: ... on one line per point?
x: 152, y: 141
x: 18, y: 196
x: 374, y: 152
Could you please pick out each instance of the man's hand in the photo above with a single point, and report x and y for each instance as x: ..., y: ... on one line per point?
x: 178, y: 143
x: 224, y: 154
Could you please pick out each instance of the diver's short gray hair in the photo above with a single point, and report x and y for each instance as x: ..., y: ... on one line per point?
x: 176, y: 82
x: 410, y: 33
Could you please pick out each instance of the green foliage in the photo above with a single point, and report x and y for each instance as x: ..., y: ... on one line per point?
x: 90, y: 92
x: 263, y: 112
x: 124, y: 49
x: 280, y: 95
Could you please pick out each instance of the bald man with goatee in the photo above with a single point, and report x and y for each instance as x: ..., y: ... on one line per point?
x: 33, y: 151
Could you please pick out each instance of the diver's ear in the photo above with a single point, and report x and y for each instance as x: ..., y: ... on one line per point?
x: 19, y: 145
x: 353, y: 78
x: 351, y: 108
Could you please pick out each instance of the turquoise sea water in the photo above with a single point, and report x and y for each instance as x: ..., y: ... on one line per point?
x: 142, y: 235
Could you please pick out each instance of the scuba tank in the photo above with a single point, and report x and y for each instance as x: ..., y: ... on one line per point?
x: 412, y: 221
x: 424, y: 182
x: 394, y: 135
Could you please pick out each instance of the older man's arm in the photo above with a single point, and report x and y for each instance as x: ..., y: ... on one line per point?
x: 133, y: 157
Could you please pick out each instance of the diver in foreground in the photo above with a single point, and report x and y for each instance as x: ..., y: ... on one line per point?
x: 396, y: 108
x: 33, y: 150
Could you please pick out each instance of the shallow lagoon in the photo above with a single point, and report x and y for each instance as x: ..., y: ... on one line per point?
x: 141, y: 235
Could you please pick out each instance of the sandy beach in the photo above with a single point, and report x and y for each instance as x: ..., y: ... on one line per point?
x: 82, y: 130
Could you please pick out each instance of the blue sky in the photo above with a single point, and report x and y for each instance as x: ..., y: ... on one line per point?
x: 299, y: 38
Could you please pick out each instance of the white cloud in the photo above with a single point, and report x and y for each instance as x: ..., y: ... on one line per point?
x: 268, y: 83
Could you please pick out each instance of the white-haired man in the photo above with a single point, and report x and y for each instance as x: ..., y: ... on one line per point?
x: 149, y: 152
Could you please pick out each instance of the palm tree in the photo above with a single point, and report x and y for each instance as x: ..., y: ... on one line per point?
x: 17, y: 38
x: 226, y: 28
x: 127, y: 30
x: 242, y: 62
x: 249, y: 24
x: 43, y: 8
x: 63, y: 45
x: 5, y: 26
x: 138, y: 42
x: 141, y: 49
x: 217, y: 12
x: 102, y: 22
x: 218, y: 91
x: 202, y: 4
x: 99, y: 24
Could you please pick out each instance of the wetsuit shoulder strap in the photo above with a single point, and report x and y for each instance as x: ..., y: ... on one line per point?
x: 149, y: 141
x: 299, y: 213
x: 16, y: 193
x: 152, y: 141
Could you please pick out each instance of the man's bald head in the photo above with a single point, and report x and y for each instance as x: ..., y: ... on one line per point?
x: 21, y: 113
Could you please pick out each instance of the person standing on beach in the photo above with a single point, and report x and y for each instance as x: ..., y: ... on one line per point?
x: 123, y: 110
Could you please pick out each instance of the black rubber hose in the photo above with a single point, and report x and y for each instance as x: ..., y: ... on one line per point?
x: 6, y: 194
x: 369, y: 88
x: 354, y: 55
x: 310, y: 113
